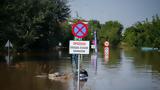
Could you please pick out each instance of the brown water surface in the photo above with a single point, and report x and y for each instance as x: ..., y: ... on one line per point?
x: 125, y: 70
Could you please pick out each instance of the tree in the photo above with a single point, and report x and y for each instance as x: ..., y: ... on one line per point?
x: 32, y: 24
x: 111, y: 31
x: 144, y: 34
x: 129, y: 36
x: 67, y: 34
x: 93, y: 25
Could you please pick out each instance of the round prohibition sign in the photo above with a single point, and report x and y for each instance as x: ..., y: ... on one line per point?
x: 80, y: 30
x: 106, y: 43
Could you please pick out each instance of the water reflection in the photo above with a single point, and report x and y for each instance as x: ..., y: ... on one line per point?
x: 8, y: 59
x: 125, y: 70
x: 94, y: 58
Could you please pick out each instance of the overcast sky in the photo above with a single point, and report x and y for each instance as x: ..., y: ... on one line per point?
x: 126, y: 12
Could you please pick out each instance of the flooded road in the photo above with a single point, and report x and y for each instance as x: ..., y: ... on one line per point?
x: 125, y: 70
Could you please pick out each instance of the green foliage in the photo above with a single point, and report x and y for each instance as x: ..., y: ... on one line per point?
x: 111, y: 31
x: 67, y: 34
x: 32, y: 23
x: 129, y: 36
x: 93, y: 25
x: 144, y: 33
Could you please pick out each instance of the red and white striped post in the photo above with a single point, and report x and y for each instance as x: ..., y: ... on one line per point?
x: 106, y: 51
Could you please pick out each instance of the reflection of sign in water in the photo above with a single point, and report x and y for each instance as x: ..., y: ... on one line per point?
x: 94, y: 61
x: 8, y: 59
x: 60, y: 53
x: 75, y: 61
x: 79, y: 47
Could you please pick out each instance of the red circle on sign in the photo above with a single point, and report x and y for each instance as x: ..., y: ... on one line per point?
x: 79, y: 29
x: 106, y: 43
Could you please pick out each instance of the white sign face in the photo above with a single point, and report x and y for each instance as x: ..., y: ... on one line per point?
x: 8, y: 44
x: 79, y: 47
x: 106, y: 43
x: 93, y: 46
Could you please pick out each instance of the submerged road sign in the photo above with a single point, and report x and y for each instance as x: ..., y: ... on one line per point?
x: 106, y: 43
x: 8, y: 44
x: 79, y: 47
x: 80, y: 30
x: 106, y: 50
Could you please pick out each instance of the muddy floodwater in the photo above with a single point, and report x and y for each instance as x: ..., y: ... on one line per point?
x: 125, y: 70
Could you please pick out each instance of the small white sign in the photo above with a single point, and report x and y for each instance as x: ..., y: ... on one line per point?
x: 93, y: 46
x: 8, y: 44
x: 79, y: 47
x: 106, y: 43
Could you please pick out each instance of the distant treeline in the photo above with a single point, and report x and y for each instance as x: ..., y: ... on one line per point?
x: 141, y: 34
x: 42, y: 24
x: 144, y: 34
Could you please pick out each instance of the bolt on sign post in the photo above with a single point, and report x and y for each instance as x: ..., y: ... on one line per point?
x: 106, y: 51
x: 79, y: 30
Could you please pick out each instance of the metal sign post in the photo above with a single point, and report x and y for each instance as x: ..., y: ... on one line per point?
x: 8, y: 45
x: 78, y: 79
x: 95, y: 40
x: 78, y: 83
x: 79, y: 30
